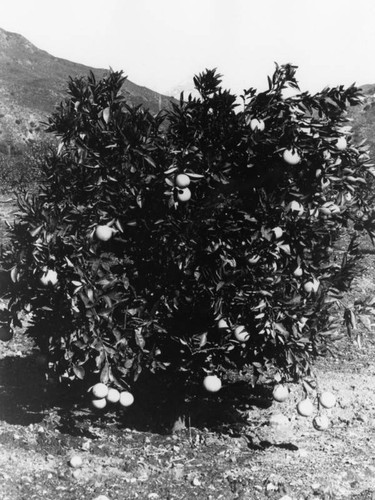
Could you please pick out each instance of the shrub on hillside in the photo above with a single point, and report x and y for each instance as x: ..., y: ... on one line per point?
x: 190, y: 242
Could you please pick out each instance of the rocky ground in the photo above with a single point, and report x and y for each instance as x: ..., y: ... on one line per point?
x: 250, y: 447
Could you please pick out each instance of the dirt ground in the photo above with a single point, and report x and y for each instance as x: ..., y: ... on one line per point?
x: 247, y: 446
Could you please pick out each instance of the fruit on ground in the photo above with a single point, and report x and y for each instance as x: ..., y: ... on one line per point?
x: 100, y: 390
x: 305, y: 407
x: 6, y: 333
x: 321, y: 422
x: 327, y: 399
x: 241, y: 334
x: 103, y: 232
x: 49, y: 277
x: 212, y: 383
x: 113, y: 395
x: 341, y: 144
x: 291, y: 157
x: 99, y: 403
x: 182, y: 180
x: 280, y: 393
x: 257, y: 124
x: 126, y: 399
x: 184, y: 194
x: 75, y: 461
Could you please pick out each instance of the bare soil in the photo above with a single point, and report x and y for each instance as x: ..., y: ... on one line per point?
x: 237, y: 444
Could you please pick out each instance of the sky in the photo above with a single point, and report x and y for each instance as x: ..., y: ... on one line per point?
x: 162, y: 44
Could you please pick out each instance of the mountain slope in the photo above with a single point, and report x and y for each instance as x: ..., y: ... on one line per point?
x: 33, y: 82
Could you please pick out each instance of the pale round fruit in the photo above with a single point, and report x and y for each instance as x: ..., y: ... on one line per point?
x: 321, y: 422
x: 103, y: 232
x: 280, y: 393
x: 75, y: 461
x: 278, y: 232
x: 6, y: 333
x: 184, y: 195
x: 49, y: 277
x: 291, y: 157
x: 113, y: 395
x: 257, y: 124
x: 222, y: 324
x: 327, y: 399
x: 295, y: 207
x: 99, y: 404
x: 212, y: 383
x: 305, y: 407
x: 182, y: 180
x: 298, y: 272
x: 241, y: 334
x: 311, y: 286
x: 341, y: 144
x: 126, y: 398
x: 100, y: 390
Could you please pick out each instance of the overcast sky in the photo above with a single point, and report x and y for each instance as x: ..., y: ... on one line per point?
x: 163, y: 43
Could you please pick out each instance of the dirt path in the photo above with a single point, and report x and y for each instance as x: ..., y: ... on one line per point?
x: 254, y: 454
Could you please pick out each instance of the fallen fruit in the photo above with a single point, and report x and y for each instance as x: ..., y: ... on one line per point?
x: 241, y: 334
x: 280, y: 393
x: 327, y: 399
x: 99, y: 390
x: 75, y: 461
x: 212, y: 383
x: 182, y: 180
x: 113, y: 395
x: 126, y: 399
x: 305, y: 407
x: 104, y: 232
x: 321, y: 422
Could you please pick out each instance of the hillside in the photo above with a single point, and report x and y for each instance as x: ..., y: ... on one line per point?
x: 33, y: 82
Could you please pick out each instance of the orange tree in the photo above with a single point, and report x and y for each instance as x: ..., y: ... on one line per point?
x: 191, y: 242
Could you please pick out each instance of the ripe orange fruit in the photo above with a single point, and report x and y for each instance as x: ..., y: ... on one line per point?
x: 311, y: 286
x: 305, y: 407
x: 99, y: 403
x: 280, y: 393
x: 212, y: 383
x: 100, y: 390
x: 298, y: 271
x: 278, y: 232
x: 182, y: 180
x: 291, y: 157
x: 257, y: 124
x: 113, y: 395
x: 327, y: 399
x: 49, y: 277
x: 241, y: 334
x: 184, y: 195
x: 6, y: 333
x: 104, y: 232
x: 321, y: 422
x: 341, y: 143
x: 295, y: 207
x: 222, y: 324
x: 126, y: 398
